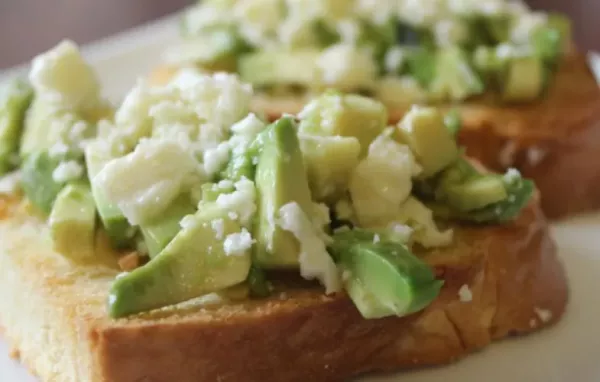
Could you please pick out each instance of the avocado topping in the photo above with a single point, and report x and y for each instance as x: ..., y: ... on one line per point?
x: 213, y: 200
x: 356, y: 46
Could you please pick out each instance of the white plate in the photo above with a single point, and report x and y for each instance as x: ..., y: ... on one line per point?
x: 566, y: 352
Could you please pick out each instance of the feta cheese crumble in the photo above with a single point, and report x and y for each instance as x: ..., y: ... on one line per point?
x: 544, y: 314
x: 67, y: 171
x: 241, y: 201
x: 238, y: 244
x: 314, y: 259
x: 10, y: 183
x: 465, y: 294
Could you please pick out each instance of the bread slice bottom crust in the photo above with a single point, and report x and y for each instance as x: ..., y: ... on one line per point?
x: 554, y: 140
x: 55, y: 318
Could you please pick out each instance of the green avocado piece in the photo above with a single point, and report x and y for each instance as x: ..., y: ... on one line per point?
x: 552, y: 39
x: 421, y: 64
x: 453, y: 121
x: 334, y: 114
x: 72, y: 222
x: 280, y: 179
x: 476, y: 193
x: 454, y: 79
x: 159, y: 233
x: 257, y: 282
x: 383, y: 278
x: 424, y: 130
x: 524, y: 79
x: 240, y: 165
x: 329, y: 163
x: 15, y: 98
x: 325, y: 33
x: 116, y: 225
x: 37, y: 181
x: 279, y: 67
x: 194, y: 263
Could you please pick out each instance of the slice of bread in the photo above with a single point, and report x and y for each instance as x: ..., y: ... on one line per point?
x: 499, y: 281
x: 553, y: 141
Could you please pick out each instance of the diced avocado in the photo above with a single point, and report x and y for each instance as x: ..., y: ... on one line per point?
x: 383, y: 278
x: 257, y: 282
x: 116, y: 225
x: 37, y: 181
x: 350, y: 115
x: 424, y: 130
x: 421, y: 64
x: 280, y: 179
x: 194, y: 263
x: 524, y: 80
x: 240, y: 165
x: 15, y: 98
x: 73, y: 222
x: 279, y: 67
x: 552, y: 38
x: 455, y: 79
x: 216, y: 50
x: 329, y: 162
x: 488, y: 62
x: 476, y: 193
x: 453, y: 121
x: 159, y: 232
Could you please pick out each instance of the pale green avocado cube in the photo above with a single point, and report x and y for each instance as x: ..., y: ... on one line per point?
x: 280, y: 68
x: 196, y: 262
x: 113, y: 220
x: 15, y: 98
x: 38, y: 182
x: 158, y: 233
x: 524, y: 79
x: 329, y: 163
x: 280, y: 179
x: 72, y: 222
x: 434, y: 146
x: 334, y: 114
x: 476, y: 193
x: 455, y: 79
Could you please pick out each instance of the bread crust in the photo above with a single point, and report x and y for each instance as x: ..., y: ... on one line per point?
x: 517, y: 283
x: 553, y: 141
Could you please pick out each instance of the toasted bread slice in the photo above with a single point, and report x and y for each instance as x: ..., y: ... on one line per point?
x: 499, y: 281
x: 553, y: 141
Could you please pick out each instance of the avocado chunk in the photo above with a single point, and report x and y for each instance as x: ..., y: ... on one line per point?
x: 454, y: 79
x: 194, y: 263
x: 257, y: 283
x: 424, y: 130
x: 552, y: 38
x: 280, y: 179
x: 334, y: 114
x: 421, y: 64
x: 37, y: 181
x: 476, y: 193
x: 159, y: 232
x: 280, y: 68
x: 215, y: 51
x: 73, y: 222
x: 329, y: 162
x: 524, y: 79
x: 116, y: 225
x: 383, y: 278
x: 15, y: 98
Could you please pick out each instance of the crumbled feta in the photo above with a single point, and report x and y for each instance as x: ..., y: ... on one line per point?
x: 187, y: 221
x: 525, y: 25
x: 58, y: 149
x: 67, y: 171
x: 241, y: 201
x: 52, y: 75
x: 382, y: 181
x: 216, y: 158
x: 535, y: 155
x: 205, y: 16
x: 465, y: 294
x: 349, y: 31
x: 233, y: 215
x: 314, y: 259
x: 506, y: 157
x: 544, y: 314
x: 238, y: 244
x: 512, y: 175
x: 218, y: 225
x: 258, y: 20
x: 376, y: 239
x: 448, y: 33
x: 144, y: 183
x: 248, y: 127
x: 399, y: 232
x: 394, y: 59
x: 347, y: 67
x: 10, y: 183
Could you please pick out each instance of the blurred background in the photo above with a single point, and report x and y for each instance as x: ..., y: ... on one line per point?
x: 31, y: 26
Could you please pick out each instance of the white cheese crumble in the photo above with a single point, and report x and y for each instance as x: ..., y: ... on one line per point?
x: 144, y: 183
x: 465, y: 294
x: 506, y: 157
x: 544, y: 314
x: 67, y: 171
x: 394, y: 59
x: 238, y: 244
x: 188, y: 221
x: 314, y: 259
x: 512, y: 175
x: 448, y: 33
x: 216, y: 158
x: 376, y: 239
x: 10, y: 183
x: 241, y: 201
x: 347, y: 67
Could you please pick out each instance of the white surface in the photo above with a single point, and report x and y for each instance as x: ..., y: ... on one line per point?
x: 563, y: 353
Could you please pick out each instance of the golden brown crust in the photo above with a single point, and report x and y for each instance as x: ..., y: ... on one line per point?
x: 517, y: 284
x: 553, y: 141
